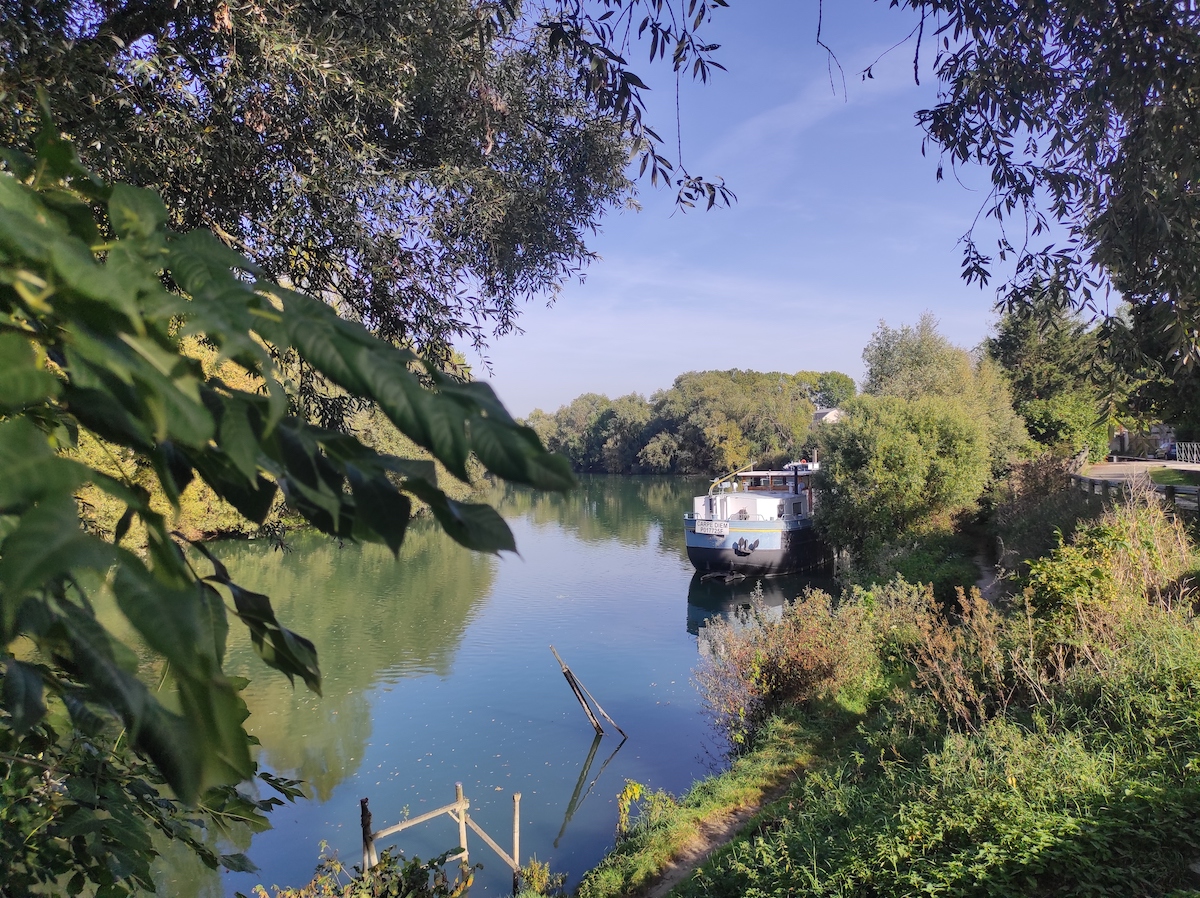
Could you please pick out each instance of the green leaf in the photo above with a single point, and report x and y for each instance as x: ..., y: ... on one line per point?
x: 477, y: 527
x: 79, y: 216
x: 79, y: 270
x: 287, y: 652
x: 238, y: 438
x: 381, y: 508
x: 214, y: 623
x: 515, y: 453
x: 167, y: 619
x: 22, y: 382
x: 227, y: 481
x: 46, y: 545
x: 238, y: 863
x: 22, y: 235
x: 23, y: 690
x: 163, y: 736
x: 136, y: 211
x: 201, y: 263
x: 32, y: 470
x: 99, y: 411
x: 446, y: 424
x: 280, y: 648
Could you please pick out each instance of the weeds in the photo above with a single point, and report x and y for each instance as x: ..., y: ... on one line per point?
x: 392, y: 877
x: 1049, y: 748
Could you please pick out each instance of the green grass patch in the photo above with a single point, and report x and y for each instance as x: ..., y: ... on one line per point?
x: 661, y: 826
x: 1174, y: 477
x: 1052, y: 749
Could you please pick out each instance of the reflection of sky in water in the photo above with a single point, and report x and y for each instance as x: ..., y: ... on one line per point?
x: 438, y: 669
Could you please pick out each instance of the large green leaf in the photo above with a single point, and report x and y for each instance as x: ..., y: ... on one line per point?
x: 22, y: 381
x: 31, y: 472
x: 516, y: 453
x: 46, y: 545
x: 163, y: 736
x: 168, y: 619
x: 79, y: 270
x: 282, y: 649
x: 475, y: 526
x: 382, y: 512
x: 252, y: 499
x: 135, y: 211
x: 23, y: 694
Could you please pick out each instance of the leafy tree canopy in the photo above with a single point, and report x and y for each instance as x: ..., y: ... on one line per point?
x: 1085, y: 115
x: 1048, y: 356
x: 90, y: 345
x: 706, y: 421
x: 421, y: 165
x: 890, y: 464
x: 913, y: 363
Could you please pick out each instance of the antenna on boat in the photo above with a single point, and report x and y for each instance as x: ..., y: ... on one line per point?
x: 729, y: 476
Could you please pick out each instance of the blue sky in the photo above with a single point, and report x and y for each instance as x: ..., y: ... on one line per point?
x: 840, y: 222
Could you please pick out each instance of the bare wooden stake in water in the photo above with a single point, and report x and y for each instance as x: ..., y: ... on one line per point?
x: 370, y: 857
x: 462, y: 821
x: 516, y: 841
x: 580, y: 690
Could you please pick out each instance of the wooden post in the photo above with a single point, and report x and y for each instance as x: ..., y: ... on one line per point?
x: 516, y: 855
x: 462, y: 821
x: 574, y: 684
x: 370, y: 857
x: 1170, y: 493
x: 1105, y: 488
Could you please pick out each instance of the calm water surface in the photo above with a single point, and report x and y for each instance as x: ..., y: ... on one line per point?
x: 437, y: 669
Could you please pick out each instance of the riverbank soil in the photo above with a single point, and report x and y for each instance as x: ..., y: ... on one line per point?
x: 712, y: 834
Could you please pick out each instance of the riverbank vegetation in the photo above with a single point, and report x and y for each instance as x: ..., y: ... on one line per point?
x: 1045, y: 745
x: 706, y: 422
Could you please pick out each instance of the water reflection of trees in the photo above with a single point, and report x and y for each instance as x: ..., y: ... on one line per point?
x: 609, y: 507
x: 374, y: 619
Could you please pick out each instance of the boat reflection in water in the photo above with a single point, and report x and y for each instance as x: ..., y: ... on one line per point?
x: 733, y: 599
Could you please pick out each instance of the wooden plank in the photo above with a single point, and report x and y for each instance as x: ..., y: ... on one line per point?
x: 405, y: 824
x: 513, y: 865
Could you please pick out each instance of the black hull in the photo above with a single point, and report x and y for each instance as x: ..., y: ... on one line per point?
x: 802, y: 551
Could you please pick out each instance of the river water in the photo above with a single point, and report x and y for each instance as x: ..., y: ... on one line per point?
x: 437, y: 669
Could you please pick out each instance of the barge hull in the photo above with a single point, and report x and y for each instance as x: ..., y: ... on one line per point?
x: 791, y: 551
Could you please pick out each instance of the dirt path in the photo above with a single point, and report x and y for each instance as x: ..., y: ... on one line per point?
x: 723, y: 829
x: 713, y: 833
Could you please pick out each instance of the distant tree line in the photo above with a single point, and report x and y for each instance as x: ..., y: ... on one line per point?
x: 705, y: 422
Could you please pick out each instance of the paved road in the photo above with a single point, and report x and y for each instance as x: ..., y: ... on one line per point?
x: 1126, y: 470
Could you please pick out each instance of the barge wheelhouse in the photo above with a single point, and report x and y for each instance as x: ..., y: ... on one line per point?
x: 757, y: 523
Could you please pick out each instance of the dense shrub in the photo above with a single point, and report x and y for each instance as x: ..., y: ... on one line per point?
x: 1033, y: 506
x: 941, y: 558
x: 1046, y: 749
x: 754, y: 664
x: 890, y: 465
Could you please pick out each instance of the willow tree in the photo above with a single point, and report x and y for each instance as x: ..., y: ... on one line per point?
x: 1086, y: 116
x: 422, y: 165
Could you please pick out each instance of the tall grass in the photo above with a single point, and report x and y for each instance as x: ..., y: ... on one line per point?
x: 1049, y: 748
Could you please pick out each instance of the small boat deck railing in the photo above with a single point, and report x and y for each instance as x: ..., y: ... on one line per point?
x: 734, y: 518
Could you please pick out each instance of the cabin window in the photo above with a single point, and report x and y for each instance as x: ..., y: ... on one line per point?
x: 779, y: 511
x: 797, y: 508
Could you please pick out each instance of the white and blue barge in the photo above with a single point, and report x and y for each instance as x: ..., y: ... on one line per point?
x: 757, y: 523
